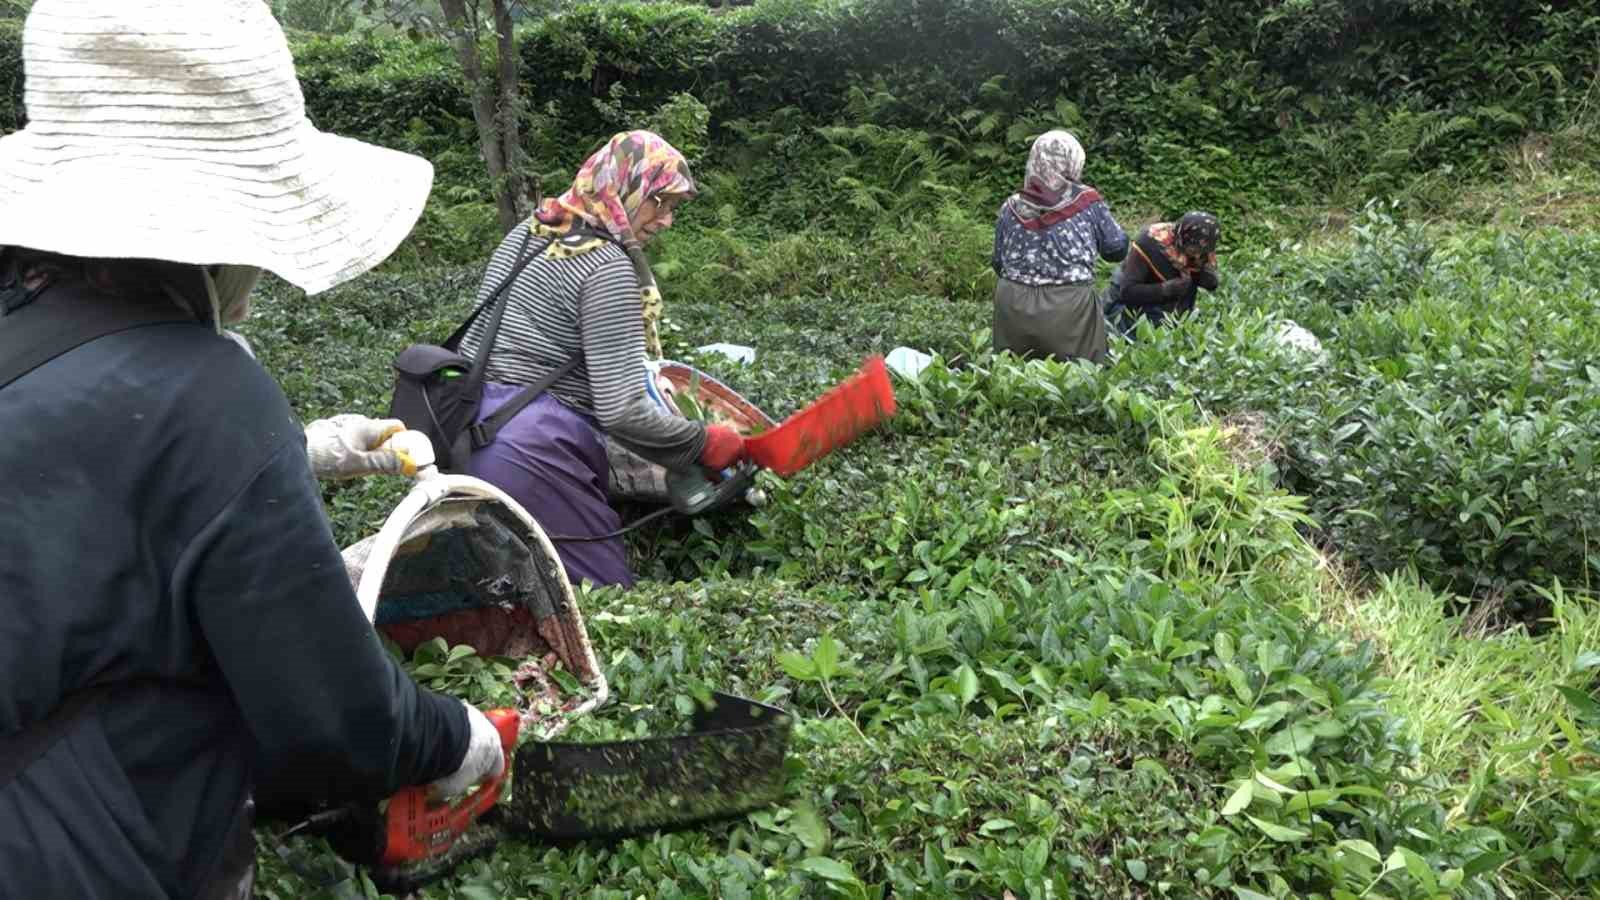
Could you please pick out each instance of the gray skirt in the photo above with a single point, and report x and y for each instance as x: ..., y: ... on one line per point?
x: 1062, y: 321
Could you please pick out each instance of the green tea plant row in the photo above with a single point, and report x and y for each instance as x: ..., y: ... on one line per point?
x: 1450, y: 426
x: 1065, y: 631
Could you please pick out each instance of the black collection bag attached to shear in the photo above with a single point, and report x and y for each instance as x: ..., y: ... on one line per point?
x: 438, y: 391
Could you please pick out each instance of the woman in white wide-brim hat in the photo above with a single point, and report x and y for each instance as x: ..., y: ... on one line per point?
x: 180, y: 626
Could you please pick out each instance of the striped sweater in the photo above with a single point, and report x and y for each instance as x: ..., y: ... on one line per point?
x: 558, y: 306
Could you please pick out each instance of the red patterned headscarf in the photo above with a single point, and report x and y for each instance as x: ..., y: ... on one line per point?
x: 632, y: 168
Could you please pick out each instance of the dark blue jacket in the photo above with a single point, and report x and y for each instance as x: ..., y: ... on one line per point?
x: 162, y: 528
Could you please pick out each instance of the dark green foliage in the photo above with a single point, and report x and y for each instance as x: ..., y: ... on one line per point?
x: 1066, y: 622
x: 320, y: 16
x: 12, y: 114
x: 1242, y: 107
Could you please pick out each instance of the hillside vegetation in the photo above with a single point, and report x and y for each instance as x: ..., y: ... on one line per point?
x: 1217, y: 620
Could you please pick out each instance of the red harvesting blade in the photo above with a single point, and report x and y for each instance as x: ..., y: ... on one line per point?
x: 836, y: 418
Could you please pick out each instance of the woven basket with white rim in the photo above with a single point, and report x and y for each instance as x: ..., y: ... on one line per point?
x: 461, y: 560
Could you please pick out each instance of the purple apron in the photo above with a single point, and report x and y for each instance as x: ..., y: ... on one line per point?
x: 552, y: 460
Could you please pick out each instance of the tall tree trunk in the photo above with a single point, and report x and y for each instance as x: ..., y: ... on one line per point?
x: 512, y: 193
x: 487, y: 111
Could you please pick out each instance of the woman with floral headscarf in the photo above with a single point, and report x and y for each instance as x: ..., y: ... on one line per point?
x: 1045, y: 245
x: 588, y: 296
x: 1170, y: 263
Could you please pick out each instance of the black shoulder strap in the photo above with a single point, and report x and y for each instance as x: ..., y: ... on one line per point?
x: 66, y: 317
x: 453, y: 342
x: 18, y: 751
x: 484, y: 432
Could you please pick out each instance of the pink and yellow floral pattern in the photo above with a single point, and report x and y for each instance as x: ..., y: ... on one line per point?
x: 632, y: 168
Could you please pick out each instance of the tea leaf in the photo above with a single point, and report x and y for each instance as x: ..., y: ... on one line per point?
x: 967, y: 683
x: 1280, y: 833
x: 1240, y: 799
x: 826, y: 657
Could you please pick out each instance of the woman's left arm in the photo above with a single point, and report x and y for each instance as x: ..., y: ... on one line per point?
x: 1113, y: 241
x: 1206, y: 275
x: 611, y: 327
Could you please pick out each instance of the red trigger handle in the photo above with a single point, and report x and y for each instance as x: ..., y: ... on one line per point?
x: 416, y: 828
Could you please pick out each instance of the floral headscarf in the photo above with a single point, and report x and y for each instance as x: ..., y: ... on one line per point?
x: 1051, y: 185
x: 632, y: 168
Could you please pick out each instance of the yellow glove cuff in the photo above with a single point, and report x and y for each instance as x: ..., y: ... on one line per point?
x: 388, y: 432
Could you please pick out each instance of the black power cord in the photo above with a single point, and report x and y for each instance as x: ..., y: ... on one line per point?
x: 579, y: 539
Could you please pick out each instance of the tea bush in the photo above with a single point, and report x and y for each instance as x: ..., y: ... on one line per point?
x: 1448, y: 430
x: 1060, y: 630
x: 1055, y: 629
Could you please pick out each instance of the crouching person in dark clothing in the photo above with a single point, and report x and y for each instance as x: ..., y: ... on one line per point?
x: 1170, y: 263
x: 179, y: 626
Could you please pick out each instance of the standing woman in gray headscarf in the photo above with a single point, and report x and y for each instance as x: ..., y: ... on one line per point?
x: 1045, y: 245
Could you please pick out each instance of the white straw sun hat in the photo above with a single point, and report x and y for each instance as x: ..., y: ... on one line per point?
x: 176, y: 130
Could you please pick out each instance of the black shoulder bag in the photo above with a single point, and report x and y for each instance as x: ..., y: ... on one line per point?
x: 438, y: 391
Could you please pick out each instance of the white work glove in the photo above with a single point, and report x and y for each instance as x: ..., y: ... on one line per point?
x: 346, y: 446
x: 485, y: 758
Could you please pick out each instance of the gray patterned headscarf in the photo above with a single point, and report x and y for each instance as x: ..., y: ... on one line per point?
x: 1054, y: 166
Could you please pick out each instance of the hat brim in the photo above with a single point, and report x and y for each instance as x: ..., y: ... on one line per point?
x: 313, y: 208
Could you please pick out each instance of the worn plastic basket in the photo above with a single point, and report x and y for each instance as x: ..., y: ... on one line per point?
x: 637, y: 479
x: 460, y: 560
x: 723, y: 402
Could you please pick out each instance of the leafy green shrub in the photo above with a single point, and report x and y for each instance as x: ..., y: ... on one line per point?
x: 319, y: 16
x: 12, y: 113
x: 1387, y: 265
x: 1488, y: 502
x: 683, y: 121
x: 1450, y: 429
